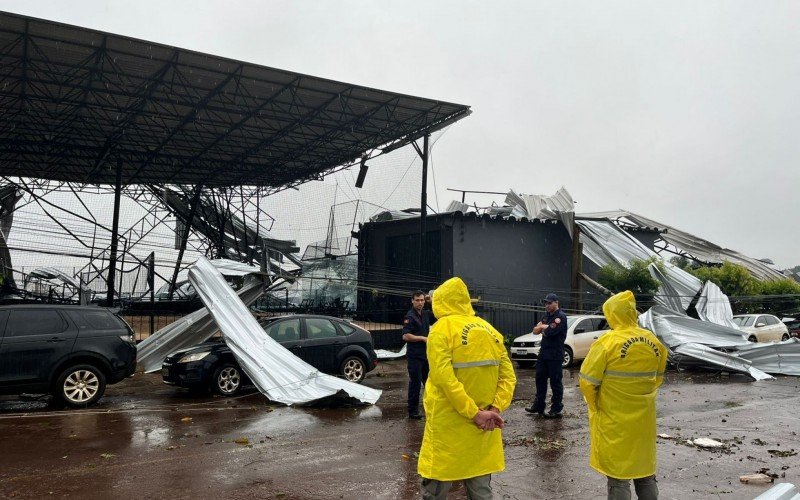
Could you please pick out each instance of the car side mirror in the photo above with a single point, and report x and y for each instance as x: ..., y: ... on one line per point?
x: 759, y: 325
x: 579, y: 330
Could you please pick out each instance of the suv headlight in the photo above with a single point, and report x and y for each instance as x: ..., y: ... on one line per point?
x: 128, y: 338
x: 194, y: 357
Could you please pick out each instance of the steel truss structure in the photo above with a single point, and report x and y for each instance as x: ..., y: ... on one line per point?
x: 95, y: 111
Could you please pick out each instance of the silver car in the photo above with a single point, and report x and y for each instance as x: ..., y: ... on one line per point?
x: 762, y: 327
x: 582, y: 331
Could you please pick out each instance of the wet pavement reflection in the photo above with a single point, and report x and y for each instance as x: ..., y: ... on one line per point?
x: 148, y: 440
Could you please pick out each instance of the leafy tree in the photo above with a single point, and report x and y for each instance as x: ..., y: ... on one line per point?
x: 777, y: 296
x: 636, y: 278
x: 748, y: 294
x: 733, y: 279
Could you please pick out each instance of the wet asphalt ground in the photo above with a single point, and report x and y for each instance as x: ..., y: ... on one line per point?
x: 148, y: 440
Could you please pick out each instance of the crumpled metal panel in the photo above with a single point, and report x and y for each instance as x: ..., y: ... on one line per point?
x: 781, y: 491
x: 774, y: 357
x: 275, y: 371
x: 457, y: 206
x: 50, y: 273
x: 674, y: 329
x: 188, y: 331
x: 386, y: 354
x: 700, y: 355
x: 699, y: 248
x: 714, y: 306
x: 615, y: 243
x: 537, y: 206
x: 678, y: 288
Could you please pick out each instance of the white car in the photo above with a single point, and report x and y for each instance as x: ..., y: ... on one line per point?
x: 762, y: 327
x: 582, y: 331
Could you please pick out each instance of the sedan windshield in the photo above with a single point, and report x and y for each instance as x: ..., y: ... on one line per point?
x: 743, y: 320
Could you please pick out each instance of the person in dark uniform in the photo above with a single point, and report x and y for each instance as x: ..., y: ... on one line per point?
x: 551, y: 355
x: 416, y: 325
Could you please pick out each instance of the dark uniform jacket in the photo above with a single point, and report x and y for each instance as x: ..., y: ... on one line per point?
x: 554, y: 336
x: 416, y: 324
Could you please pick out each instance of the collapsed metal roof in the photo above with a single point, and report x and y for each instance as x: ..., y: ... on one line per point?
x: 702, y: 250
x: 76, y: 104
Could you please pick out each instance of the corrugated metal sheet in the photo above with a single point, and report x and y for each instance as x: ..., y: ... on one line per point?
x: 277, y: 373
x: 699, y: 248
x: 186, y: 332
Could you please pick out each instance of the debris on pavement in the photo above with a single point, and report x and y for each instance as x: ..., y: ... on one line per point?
x: 384, y: 354
x: 708, y: 443
x: 782, y: 453
x: 756, y: 478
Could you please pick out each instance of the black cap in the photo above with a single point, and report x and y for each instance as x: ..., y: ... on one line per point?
x: 551, y: 297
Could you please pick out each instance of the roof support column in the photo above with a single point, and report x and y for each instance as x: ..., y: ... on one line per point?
x: 184, y: 238
x: 423, y: 212
x: 112, y: 259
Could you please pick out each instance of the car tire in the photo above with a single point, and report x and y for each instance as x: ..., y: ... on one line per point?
x: 784, y: 337
x: 227, y: 380
x: 526, y: 364
x: 79, y: 386
x: 752, y: 338
x: 568, y: 359
x: 353, y: 369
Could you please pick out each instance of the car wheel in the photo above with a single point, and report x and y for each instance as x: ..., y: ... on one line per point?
x: 353, y: 369
x: 526, y: 364
x: 752, y: 338
x: 785, y: 337
x: 227, y: 380
x: 79, y: 386
x: 567, y: 357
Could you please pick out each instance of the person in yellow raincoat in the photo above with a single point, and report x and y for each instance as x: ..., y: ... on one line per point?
x: 619, y: 380
x: 471, y: 380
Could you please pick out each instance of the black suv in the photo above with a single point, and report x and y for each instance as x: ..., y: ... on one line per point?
x: 71, y: 352
x: 331, y: 345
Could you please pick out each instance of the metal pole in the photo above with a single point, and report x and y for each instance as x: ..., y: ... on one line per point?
x: 423, y: 207
x: 151, y: 282
x: 112, y: 260
x: 185, y: 236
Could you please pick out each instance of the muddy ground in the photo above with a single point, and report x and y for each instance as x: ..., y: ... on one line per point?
x: 148, y: 440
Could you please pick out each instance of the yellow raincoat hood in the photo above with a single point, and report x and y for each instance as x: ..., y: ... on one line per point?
x: 452, y: 297
x: 469, y: 370
x: 620, y: 311
x: 619, y: 380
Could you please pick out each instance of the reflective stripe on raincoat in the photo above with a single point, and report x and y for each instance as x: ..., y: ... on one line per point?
x: 469, y: 370
x: 619, y: 380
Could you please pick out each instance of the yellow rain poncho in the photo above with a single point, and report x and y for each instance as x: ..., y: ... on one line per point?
x: 469, y: 370
x: 619, y: 380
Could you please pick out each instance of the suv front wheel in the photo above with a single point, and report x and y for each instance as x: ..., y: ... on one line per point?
x: 79, y: 386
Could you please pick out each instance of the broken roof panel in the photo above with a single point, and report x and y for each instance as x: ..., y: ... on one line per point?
x: 700, y: 249
x: 277, y: 373
x: 674, y: 329
x: 692, y: 354
x: 188, y: 331
x: 773, y: 357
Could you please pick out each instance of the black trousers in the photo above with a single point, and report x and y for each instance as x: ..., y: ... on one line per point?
x: 549, y: 369
x: 417, y: 376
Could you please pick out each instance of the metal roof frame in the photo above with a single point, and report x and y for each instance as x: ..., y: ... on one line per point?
x: 81, y: 105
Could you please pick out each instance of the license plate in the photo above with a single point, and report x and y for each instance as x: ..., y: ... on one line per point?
x: 522, y: 352
x: 164, y: 372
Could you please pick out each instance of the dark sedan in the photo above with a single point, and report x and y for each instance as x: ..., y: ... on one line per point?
x: 331, y: 345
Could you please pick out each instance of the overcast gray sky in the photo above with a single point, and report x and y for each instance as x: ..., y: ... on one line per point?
x: 683, y: 111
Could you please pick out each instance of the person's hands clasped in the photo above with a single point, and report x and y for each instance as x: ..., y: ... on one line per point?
x: 488, y: 420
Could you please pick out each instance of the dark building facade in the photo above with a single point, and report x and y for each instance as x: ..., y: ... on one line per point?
x: 504, y: 262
